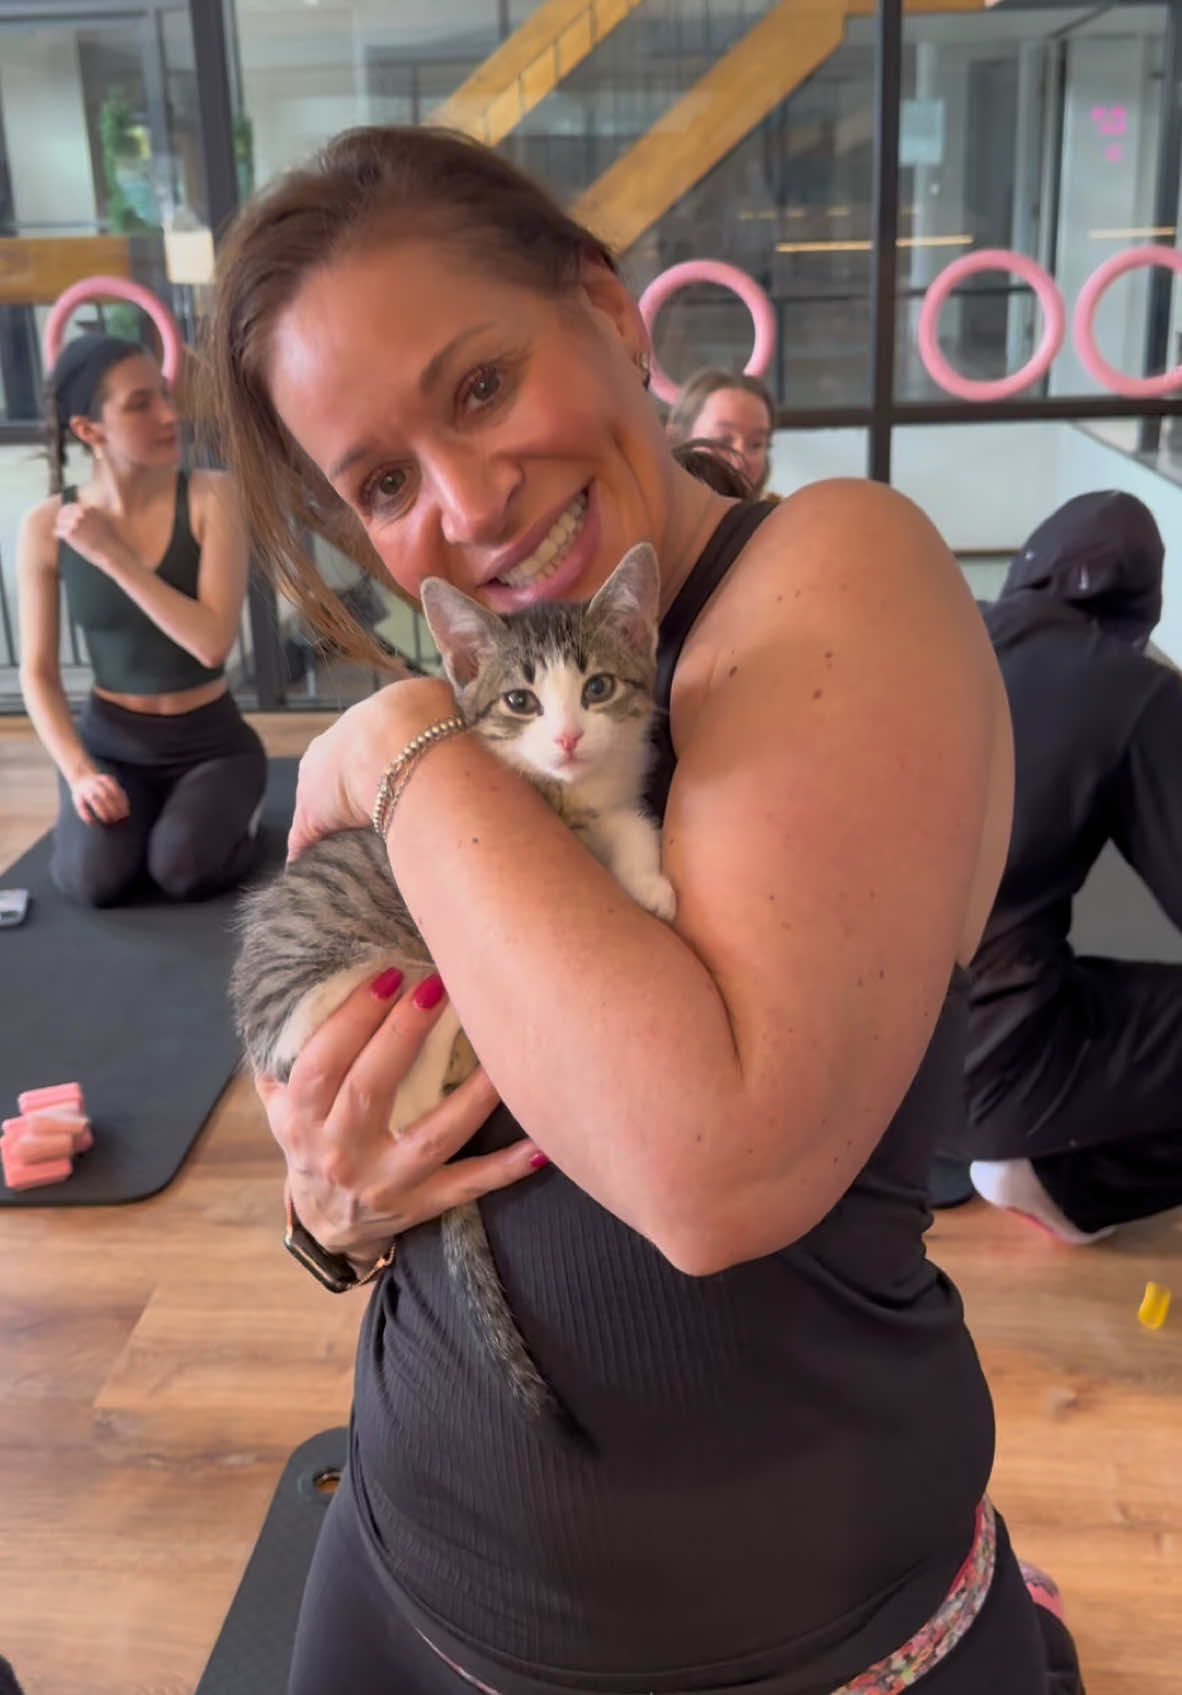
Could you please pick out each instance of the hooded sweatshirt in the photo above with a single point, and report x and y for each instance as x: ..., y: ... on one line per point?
x: 1098, y: 747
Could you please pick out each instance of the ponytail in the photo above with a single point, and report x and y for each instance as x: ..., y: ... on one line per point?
x: 57, y: 430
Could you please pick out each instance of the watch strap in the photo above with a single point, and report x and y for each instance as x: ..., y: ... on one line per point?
x: 334, y: 1272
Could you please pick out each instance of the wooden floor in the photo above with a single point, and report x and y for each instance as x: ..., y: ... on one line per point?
x: 159, y: 1362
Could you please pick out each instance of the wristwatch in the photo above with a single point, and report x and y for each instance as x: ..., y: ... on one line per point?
x: 334, y: 1271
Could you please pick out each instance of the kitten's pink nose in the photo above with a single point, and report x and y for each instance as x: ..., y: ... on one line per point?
x: 570, y: 741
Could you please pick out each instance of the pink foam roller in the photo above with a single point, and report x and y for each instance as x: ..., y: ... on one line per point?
x: 19, y: 1175
x: 54, y: 1094
x: 33, y: 1146
x: 990, y: 259
x: 1097, y: 367
x: 113, y: 288
x: 763, y: 314
x: 75, y: 1124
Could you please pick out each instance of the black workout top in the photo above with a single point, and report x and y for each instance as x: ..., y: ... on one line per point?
x: 129, y: 654
x: 1097, y: 734
x: 776, y: 1468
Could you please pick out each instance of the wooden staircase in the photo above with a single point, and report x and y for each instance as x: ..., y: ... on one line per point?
x: 529, y: 65
x: 774, y: 57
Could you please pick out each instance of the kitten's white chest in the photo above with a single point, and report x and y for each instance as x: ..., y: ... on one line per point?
x: 629, y: 845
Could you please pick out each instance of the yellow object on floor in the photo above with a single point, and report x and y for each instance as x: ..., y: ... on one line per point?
x: 1155, y: 1304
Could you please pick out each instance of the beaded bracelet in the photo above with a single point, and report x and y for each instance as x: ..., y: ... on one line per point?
x: 397, y: 774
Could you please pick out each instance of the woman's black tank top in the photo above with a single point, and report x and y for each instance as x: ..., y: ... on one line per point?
x: 129, y: 654
x: 778, y: 1465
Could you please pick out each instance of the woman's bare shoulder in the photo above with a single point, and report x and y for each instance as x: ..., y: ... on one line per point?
x: 844, y: 552
x: 39, y: 519
x: 848, y: 613
x: 217, y: 488
x: 214, y: 507
x: 845, y: 522
x: 36, y: 544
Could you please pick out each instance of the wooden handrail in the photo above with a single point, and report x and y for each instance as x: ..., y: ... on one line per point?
x: 35, y: 269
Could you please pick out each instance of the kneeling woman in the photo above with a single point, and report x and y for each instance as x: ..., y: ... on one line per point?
x: 160, y: 774
x: 770, y: 1471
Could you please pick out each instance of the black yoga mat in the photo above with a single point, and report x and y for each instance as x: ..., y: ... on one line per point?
x: 252, y: 1655
x: 129, y: 1001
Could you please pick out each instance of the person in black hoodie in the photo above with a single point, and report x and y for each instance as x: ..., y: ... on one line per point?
x: 1074, y: 1068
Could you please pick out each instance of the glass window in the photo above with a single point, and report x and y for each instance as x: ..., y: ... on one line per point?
x: 100, y: 156
x: 772, y: 170
x: 1036, y: 131
x: 741, y: 131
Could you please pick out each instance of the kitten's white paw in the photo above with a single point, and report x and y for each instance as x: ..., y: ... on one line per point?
x: 657, y: 895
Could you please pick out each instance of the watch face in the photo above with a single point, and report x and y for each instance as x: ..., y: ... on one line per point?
x: 331, y: 1270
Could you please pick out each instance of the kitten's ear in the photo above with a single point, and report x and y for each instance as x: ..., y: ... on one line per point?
x: 464, y: 632
x: 628, y: 601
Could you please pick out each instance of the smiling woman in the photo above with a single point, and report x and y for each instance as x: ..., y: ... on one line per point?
x: 352, y: 489
x: 774, y: 1437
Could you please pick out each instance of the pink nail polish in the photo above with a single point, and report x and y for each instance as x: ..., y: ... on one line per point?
x: 385, y: 987
x: 429, y: 993
x: 538, y: 1161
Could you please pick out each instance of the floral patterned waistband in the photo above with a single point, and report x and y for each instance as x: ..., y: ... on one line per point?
x: 922, y: 1652
x: 947, y: 1625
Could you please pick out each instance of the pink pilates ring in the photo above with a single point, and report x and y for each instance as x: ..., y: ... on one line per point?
x: 990, y: 259
x: 669, y: 283
x: 114, y: 288
x: 1137, y: 388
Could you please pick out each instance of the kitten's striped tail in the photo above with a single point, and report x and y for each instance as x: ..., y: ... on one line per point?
x: 470, y: 1265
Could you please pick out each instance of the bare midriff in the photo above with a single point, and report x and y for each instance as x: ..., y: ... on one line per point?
x: 168, y: 705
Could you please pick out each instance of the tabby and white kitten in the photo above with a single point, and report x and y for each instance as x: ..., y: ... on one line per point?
x: 562, y: 692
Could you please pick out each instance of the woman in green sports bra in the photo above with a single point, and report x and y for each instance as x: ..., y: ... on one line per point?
x: 160, y: 775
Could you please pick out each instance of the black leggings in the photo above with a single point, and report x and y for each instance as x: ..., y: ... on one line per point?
x: 1090, y: 1091
x: 194, y: 783
x: 351, y: 1637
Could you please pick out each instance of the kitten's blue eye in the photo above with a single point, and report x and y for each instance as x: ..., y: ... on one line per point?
x: 523, y: 702
x: 599, y: 688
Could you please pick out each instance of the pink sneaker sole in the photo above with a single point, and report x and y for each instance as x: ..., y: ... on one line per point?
x: 1082, y: 1240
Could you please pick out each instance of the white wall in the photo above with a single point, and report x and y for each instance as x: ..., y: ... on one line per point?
x: 986, y: 486
x: 45, y: 131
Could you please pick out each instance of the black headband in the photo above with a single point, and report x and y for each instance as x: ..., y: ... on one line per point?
x: 81, y: 366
